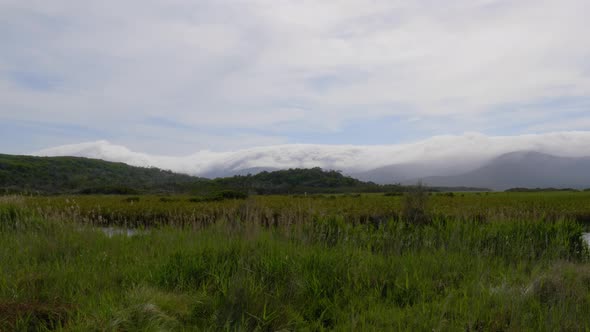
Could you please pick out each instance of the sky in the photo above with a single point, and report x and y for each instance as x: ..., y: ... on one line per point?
x: 182, y: 77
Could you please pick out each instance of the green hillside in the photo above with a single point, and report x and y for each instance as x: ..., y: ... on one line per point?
x: 297, y: 180
x: 75, y: 175
x: 56, y: 175
x: 52, y: 175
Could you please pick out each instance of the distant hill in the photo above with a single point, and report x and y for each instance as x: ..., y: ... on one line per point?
x: 522, y: 170
x: 81, y: 175
x: 299, y: 180
x: 402, y: 173
x: 222, y: 173
x: 312, y: 180
x: 76, y: 175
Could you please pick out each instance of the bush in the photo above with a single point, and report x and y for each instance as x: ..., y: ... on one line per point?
x: 415, y: 205
x: 109, y: 190
x: 233, y: 194
x: 220, y: 196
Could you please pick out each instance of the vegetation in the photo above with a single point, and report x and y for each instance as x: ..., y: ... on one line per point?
x: 538, y: 189
x: 477, y: 262
x: 312, y: 180
x: 414, y: 208
x: 181, y: 210
x: 71, y: 175
x: 52, y: 175
x: 294, y: 181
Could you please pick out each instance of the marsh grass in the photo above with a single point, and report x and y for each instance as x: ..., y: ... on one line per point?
x: 309, y: 268
x: 152, y: 211
x: 415, y: 205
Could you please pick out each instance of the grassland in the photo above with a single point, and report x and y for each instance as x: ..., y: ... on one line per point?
x: 475, y: 262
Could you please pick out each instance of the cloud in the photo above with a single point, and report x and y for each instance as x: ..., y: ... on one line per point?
x: 462, y: 152
x: 309, y: 66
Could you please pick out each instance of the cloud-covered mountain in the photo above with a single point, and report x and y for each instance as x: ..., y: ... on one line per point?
x: 436, y: 156
x: 411, y: 172
x: 526, y: 169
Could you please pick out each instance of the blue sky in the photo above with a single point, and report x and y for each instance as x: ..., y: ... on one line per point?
x: 174, y: 77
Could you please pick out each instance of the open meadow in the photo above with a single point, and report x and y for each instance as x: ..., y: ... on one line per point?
x: 415, y: 262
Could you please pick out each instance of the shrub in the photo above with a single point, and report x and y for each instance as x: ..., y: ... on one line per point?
x: 220, y: 196
x: 415, y: 205
x: 233, y: 194
x: 109, y: 190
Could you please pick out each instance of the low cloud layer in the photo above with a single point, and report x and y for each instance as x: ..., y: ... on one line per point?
x: 460, y: 152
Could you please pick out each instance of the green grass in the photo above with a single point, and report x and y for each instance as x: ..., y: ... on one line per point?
x: 183, y: 210
x: 315, y: 264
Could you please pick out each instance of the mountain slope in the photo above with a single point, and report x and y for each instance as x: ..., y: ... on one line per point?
x: 402, y: 173
x: 58, y: 175
x: 298, y: 181
x: 81, y: 175
x: 522, y: 169
x: 74, y: 174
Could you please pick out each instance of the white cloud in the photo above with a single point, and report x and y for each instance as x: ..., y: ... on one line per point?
x: 463, y: 152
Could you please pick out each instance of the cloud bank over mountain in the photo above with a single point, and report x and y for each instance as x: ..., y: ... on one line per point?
x: 523, y: 169
x: 442, y: 155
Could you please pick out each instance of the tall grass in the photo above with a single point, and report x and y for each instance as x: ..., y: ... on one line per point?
x: 317, y: 272
x: 269, y: 210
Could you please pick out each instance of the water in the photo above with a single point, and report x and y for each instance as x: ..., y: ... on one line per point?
x: 112, y: 231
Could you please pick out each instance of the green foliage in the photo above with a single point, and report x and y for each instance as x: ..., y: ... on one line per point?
x: 232, y: 194
x: 109, y: 190
x: 320, y: 273
x: 312, y: 180
x: 415, y: 205
x: 59, y: 175
x: 132, y: 199
x: 50, y: 175
x: 273, y: 209
x: 525, y: 190
x: 72, y: 175
x: 220, y: 196
x: 502, y: 261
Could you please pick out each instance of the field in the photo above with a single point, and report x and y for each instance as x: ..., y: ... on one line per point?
x: 417, y: 262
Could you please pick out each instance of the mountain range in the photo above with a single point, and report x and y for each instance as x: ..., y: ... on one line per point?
x: 522, y: 169
x: 525, y: 169
x: 474, y: 160
x: 77, y: 175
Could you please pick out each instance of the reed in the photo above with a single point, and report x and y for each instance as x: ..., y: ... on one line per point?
x: 293, y: 263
